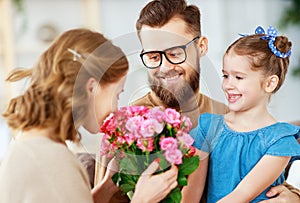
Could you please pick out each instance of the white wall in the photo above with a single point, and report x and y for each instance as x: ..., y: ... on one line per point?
x: 221, y: 23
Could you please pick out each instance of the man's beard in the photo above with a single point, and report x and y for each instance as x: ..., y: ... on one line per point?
x: 178, y: 94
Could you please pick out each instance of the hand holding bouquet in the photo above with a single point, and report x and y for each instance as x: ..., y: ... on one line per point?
x: 137, y: 135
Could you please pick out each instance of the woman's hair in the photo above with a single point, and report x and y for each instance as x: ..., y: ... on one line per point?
x: 261, y: 57
x: 158, y: 12
x: 56, y: 97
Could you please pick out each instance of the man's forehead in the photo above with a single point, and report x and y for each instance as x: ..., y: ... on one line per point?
x: 155, y: 39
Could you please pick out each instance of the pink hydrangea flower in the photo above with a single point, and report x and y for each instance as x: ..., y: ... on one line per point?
x: 133, y: 125
x: 112, y: 147
x: 104, y: 146
x: 121, y: 140
x: 168, y: 143
x: 185, y: 138
x: 186, y: 124
x: 174, y: 156
x: 130, y: 138
x: 145, y: 144
x: 136, y: 110
x: 157, y: 113
x: 109, y: 124
x: 150, y: 127
x: 135, y: 135
x: 192, y: 151
x: 172, y: 116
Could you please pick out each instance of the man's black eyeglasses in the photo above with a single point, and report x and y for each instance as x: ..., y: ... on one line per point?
x: 175, y: 55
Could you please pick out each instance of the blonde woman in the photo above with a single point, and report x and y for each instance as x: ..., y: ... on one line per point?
x: 75, y: 82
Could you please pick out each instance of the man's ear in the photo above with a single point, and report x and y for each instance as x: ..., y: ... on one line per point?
x: 91, y: 86
x: 271, y: 83
x: 203, y: 45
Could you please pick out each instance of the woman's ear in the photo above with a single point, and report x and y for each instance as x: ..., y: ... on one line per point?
x: 271, y: 83
x: 91, y: 86
x: 203, y: 46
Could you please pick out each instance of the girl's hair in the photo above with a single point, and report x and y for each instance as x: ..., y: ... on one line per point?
x: 261, y: 57
x: 58, y: 81
x: 158, y: 12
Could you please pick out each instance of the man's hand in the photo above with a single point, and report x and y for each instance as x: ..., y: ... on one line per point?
x: 283, y: 195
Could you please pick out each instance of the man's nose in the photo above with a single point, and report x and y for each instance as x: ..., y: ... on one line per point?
x: 165, y: 65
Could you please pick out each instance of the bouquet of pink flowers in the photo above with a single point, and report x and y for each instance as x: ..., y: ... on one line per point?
x: 137, y: 135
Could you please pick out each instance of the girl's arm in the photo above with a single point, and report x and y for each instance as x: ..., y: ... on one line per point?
x: 258, y: 179
x: 192, y: 192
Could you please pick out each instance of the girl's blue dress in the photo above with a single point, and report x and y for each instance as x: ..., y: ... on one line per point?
x: 233, y: 154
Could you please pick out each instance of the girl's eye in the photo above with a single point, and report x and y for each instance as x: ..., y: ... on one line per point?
x: 239, y: 78
x: 225, y: 76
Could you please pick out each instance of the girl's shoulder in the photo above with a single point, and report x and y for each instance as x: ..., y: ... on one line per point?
x: 282, y: 129
x: 211, y: 124
x: 208, y: 118
x: 280, y: 139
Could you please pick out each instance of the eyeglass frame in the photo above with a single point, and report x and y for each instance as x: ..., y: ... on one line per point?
x: 161, y: 53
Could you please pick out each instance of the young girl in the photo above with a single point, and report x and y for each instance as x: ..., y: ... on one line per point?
x: 248, y: 149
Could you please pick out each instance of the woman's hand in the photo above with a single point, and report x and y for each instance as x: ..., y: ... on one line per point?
x: 153, y: 188
x: 104, y: 190
x: 111, y: 169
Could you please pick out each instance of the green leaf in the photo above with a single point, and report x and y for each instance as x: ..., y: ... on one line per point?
x: 128, y: 164
x: 116, y: 178
x: 175, y: 195
x: 127, y: 182
x: 126, y: 188
x: 167, y: 200
x: 130, y: 194
x: 182, y: 180
x: 126, y: 178
x: 163, y: 163
x: 189, y: 165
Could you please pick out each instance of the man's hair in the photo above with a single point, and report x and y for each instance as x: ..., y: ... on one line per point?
x: 158, y: 12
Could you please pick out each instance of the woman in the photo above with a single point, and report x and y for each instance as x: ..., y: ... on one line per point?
x: 76, y: 82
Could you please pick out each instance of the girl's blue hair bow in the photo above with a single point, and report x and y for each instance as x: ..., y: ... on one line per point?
x: 271, y: 36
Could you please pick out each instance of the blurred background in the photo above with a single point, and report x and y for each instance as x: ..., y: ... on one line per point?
x: 28, y: 26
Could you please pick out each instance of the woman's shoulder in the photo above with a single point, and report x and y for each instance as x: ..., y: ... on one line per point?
x: 48, y: 164
x: 39, y: 151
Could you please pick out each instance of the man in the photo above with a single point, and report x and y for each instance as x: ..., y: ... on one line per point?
x: 170, y: 35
